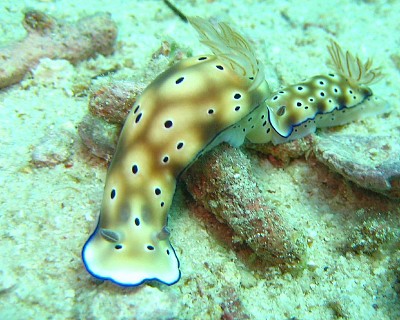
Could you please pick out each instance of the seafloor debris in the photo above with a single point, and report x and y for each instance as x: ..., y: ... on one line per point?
x: 232, y: 305
x: 372, y: 162
x: 113, y: 101
x: 371, y: 236
x: 54, y: 148
x: 53, y: 39
x: 287, y: 151
x: 99, y: 136
x: 223, y: 183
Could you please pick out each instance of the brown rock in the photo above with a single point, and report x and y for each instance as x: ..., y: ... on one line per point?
x: 222, y: 182
x: 372, y: 162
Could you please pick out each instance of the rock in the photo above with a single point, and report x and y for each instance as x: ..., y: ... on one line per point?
x: 99, y: 136
x: 223, y: 183
x: 113, y: 101
x: 372, y: 162
x: 54, y: 148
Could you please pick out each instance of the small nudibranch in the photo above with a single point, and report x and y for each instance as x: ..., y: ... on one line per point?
x: 322, y: 101
x: 191, y: 107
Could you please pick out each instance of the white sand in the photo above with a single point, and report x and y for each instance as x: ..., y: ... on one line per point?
x: 46, y: 214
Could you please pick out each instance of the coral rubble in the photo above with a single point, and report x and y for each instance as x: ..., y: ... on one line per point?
x: 49, y: 38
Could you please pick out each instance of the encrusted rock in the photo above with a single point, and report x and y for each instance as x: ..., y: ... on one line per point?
x: 223, y: 183
x: 113, y: 100
x: 287, y: 151
x: 99, y: 136
x: 54, y: 148
x: 372, y: 162
x: 370, y: 236
x: 49, y: 38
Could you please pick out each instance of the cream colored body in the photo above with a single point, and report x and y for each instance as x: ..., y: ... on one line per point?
x: 184, y: 110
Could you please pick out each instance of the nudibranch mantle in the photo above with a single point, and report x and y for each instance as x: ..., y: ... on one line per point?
x: 191, y: 107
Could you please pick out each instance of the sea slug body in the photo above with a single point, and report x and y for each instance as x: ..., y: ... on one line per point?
x: 321, y: 101
x: 190, y: 107
x: 187, y: 110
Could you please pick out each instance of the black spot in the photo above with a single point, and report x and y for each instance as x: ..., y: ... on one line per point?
x: 335, y: 90
x: 332, y: 75
x: 322, y: 83
x: 210, y: 111
x: 251, y: 78
x: 165, y: 159
x: 168, y: 124
x: 268, y: 130
x: 179, y: 145
x: 252, y: 126
x: 237, y: 108
x: 137, y: 221
x: 237, y: 96
x: 330, y: 101
x: 157, y: 191
x: 322, y: 94
x: 264, y: 124
x: 162, y: 204
x: 244, y: 129
x: 249, y: 119
x: 179, y: 80
x: 220, y: 67
x: 118, y: 246
x: 298, y: 104
x: 263, y: 116
x: 139, y: 116
x: 202, y: 58
x: 136, y: 109
x: 351, y: 91
x: 283, y: 91
x: 305, y: 126
x: 274, y: 98
x: 113, y: 193
x: 299, y: 88
x: 150, y: 247
x: 306, y: 107
x: 167, y: 251
x: 354, y: 97
x: 311, y: 99
x: 135, y: 169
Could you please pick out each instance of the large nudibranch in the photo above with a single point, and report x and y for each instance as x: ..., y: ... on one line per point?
x: 190, y: 108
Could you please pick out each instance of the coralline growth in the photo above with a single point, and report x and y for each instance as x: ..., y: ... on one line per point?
x: 50, y: 38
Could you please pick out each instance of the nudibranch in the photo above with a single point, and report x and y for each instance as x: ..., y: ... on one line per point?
x: 190, y: 108
x: 321, y: 101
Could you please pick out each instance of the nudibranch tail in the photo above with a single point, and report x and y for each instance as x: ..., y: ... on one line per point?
x: 322, y: 101
x: 191, y: 107
x: 351, y: 67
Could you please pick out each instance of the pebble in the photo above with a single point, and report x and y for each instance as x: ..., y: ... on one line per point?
x: 99, y: 136
x: 113, y: 101
x: 54, y: 148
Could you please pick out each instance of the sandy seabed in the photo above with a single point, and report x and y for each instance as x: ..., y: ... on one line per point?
x: 47, y: 213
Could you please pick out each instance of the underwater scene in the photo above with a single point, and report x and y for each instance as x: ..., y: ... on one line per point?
x: 200, y: 159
